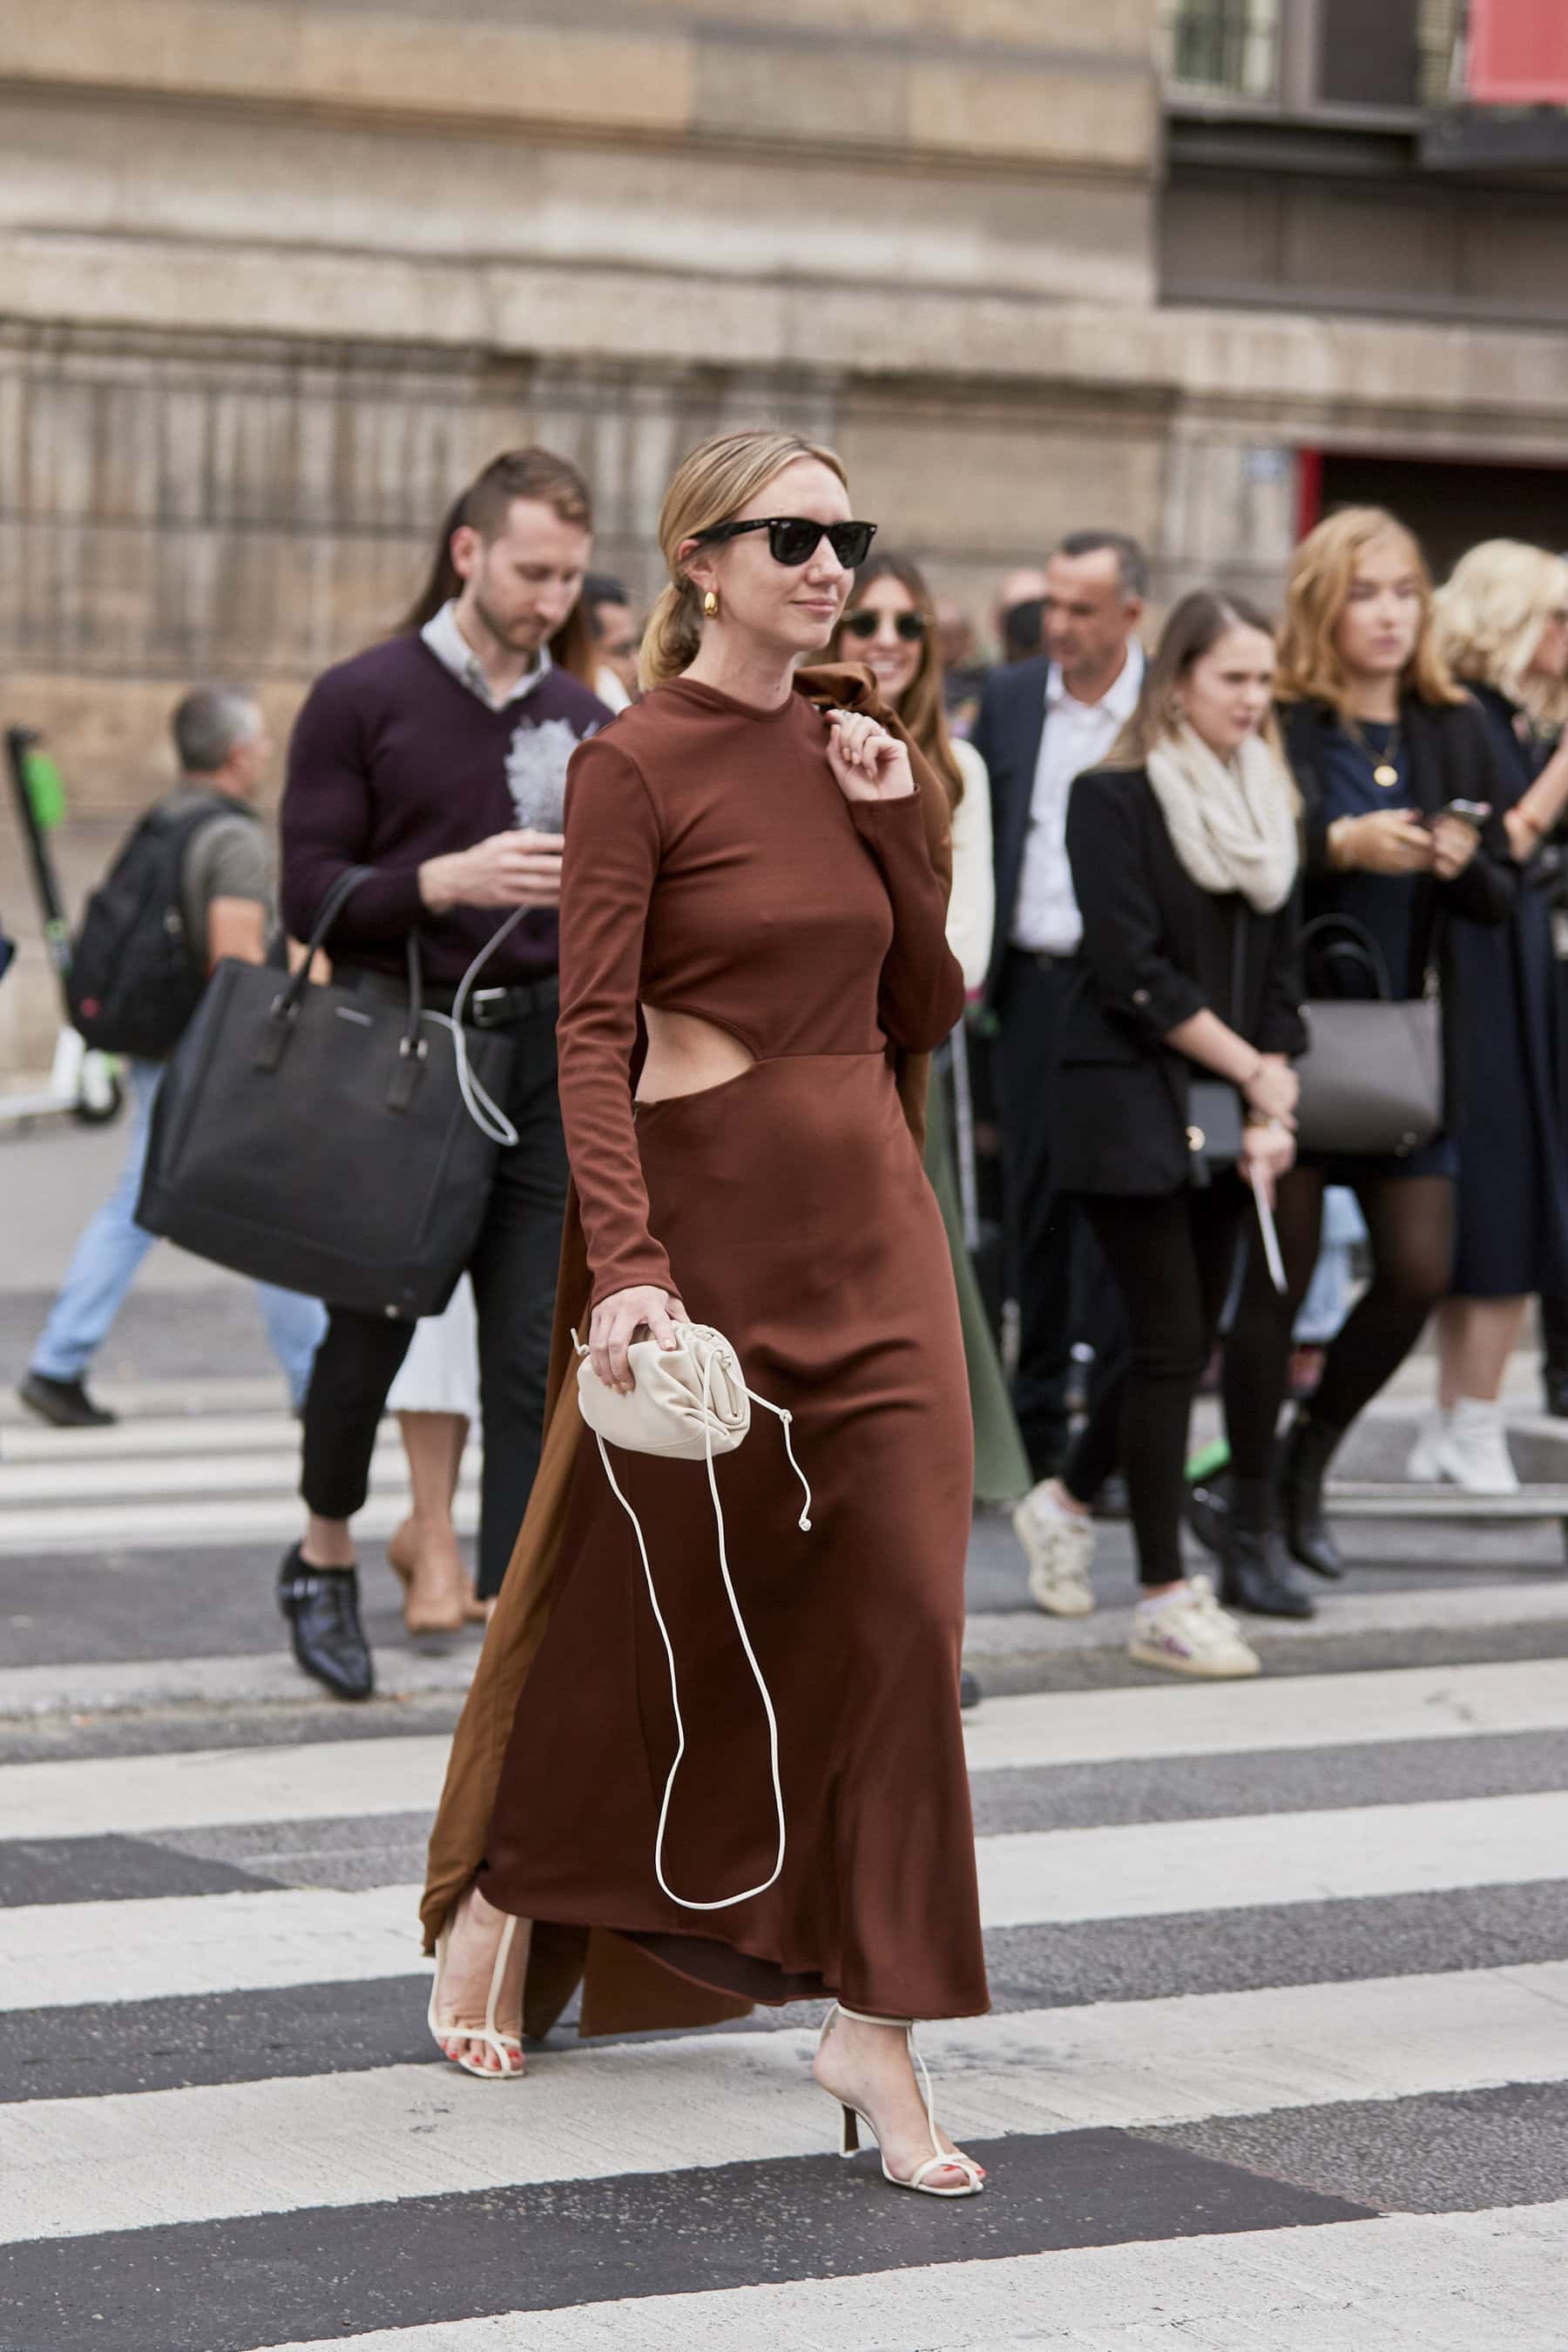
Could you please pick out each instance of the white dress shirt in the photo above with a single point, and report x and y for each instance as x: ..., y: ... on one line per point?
x: 1078, y: 736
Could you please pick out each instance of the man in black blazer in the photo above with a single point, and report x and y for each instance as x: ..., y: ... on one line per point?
x: 1041, y: 722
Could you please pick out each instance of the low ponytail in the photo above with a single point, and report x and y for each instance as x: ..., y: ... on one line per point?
x: 672, y: 635
x: 710, y: 486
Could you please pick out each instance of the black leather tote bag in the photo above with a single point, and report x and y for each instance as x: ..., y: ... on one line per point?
x: 1372, y: 1078
x: 318, y: 1138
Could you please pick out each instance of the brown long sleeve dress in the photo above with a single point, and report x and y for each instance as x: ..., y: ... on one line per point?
x: 713, y: 867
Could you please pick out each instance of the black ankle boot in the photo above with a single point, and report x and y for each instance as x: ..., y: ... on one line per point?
x: 1255, y: 1572
x: 1308, y: 1447
x: 322, y: 1605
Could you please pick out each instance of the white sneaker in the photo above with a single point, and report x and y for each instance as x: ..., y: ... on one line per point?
x: 1426, y: 1463
x: 1188, y: 1633
x: 1061, y: 1546
x: 1474, y: 1450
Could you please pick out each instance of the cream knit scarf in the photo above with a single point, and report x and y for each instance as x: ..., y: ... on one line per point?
x: 1231, y: 823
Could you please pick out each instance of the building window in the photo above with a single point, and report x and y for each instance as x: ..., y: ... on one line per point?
x: 1440, y: 30
x: 1310, y: 53
x: 1229, y: 47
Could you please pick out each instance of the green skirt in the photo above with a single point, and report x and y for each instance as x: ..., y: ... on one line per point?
x: 1001, y: 1464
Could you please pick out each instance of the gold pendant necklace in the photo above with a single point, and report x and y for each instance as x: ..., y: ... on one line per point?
x: 1384, y: 772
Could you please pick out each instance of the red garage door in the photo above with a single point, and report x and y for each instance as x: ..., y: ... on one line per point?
x: 1519, y: 53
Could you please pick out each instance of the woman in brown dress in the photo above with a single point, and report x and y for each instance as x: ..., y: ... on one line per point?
x: 762, y: 879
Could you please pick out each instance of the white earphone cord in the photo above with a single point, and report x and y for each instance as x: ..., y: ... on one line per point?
x: 726, y: 1902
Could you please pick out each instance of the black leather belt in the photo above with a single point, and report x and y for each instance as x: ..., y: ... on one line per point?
x: 487, y: 1008
x: 1040, y: 956
x: 493, y: 1008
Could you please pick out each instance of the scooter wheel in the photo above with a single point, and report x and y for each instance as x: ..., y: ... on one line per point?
x: 104, y: 1110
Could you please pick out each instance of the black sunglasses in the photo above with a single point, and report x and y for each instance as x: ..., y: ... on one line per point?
x: 911, y: 627
x: 795, y: 538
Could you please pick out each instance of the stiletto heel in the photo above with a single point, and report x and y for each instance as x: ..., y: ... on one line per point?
x: 507, y: 2047
x: 941, y: 2158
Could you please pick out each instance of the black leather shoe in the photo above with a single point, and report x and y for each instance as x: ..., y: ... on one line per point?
x: 968, y: 1690
x: 65, y: 1403
x: 1256, y: 1576
x: 322, y: 1605
x: 1308, y: 1447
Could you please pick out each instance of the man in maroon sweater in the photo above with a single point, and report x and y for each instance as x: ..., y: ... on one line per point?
x: 438, y: 759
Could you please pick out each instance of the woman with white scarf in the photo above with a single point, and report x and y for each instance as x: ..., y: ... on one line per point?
x: 1184, y: 851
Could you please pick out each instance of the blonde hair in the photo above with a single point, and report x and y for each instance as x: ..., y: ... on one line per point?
x: 1316, y: 595
x: 921, y: 713
x: 1490, y: 616
x: 710, y: 486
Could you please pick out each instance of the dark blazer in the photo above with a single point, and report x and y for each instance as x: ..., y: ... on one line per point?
x: 1007, y: 733
x: 1156, y: 950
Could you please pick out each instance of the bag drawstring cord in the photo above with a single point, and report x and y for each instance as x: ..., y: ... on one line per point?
x: 482, y: 1107
x: 785, y: 1418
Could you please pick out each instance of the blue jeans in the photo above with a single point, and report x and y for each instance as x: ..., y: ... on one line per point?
x: 104, y: 1262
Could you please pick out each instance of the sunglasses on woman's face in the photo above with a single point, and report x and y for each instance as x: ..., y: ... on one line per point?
x: 795, y: 538
x: 911, y: 627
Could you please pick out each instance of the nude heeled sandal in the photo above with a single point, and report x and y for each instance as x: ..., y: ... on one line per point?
x: 455, y: 1605
x: 941, y: 2157
x: 507, y: 2047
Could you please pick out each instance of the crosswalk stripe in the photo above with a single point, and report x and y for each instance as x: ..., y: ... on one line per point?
x: 133, y: 2161
x: 1396, y: 2285
x: 1398, y: 1703
x: 262, y: 1471
x: 53, y: 1954
x: 135, y: 1795
x: 1147, y: 1869
x: 133, y: 1686
x: 92, y: 1529
x: 160, y: 1434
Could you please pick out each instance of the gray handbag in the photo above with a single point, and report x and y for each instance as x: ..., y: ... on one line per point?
x: 1371, y: 1077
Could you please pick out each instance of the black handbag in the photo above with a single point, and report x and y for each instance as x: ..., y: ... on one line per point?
x: 319, y: 1137
x: 1216, y: 1121
x: 1372, y: 1077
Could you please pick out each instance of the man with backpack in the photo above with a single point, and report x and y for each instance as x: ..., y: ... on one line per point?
x: 193, y: 883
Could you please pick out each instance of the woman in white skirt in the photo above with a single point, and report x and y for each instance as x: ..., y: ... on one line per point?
x: 435, y: 1396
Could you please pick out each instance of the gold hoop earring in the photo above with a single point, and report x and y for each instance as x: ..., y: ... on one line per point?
x: 711, y: 605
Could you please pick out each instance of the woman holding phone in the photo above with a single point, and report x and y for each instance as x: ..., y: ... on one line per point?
x: 1184, y: 856
x: 1399, y: 788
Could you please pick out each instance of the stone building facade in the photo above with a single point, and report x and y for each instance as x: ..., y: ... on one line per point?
x: 276, y: 275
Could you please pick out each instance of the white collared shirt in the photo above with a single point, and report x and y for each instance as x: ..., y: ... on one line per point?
x: 453, y: 651
x: 1078, y: 736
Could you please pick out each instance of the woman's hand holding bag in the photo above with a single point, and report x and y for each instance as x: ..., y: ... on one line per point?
x: 615, y: 1322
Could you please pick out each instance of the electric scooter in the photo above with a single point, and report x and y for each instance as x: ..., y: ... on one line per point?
x: 82, y: 1083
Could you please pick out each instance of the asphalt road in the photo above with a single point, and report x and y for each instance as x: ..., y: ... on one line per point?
x: 1278, y: 2058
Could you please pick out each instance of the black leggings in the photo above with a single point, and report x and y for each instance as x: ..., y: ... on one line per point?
x: 1410, y: 1224
x: 1171, y: 1254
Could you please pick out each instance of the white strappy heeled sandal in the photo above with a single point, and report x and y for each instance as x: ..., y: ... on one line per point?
x: 941, y: 2159
x: 507, y: 2047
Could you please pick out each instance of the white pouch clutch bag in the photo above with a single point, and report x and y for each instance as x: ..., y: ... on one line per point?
x: 688, y: 1404
x: 688, y: 1400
